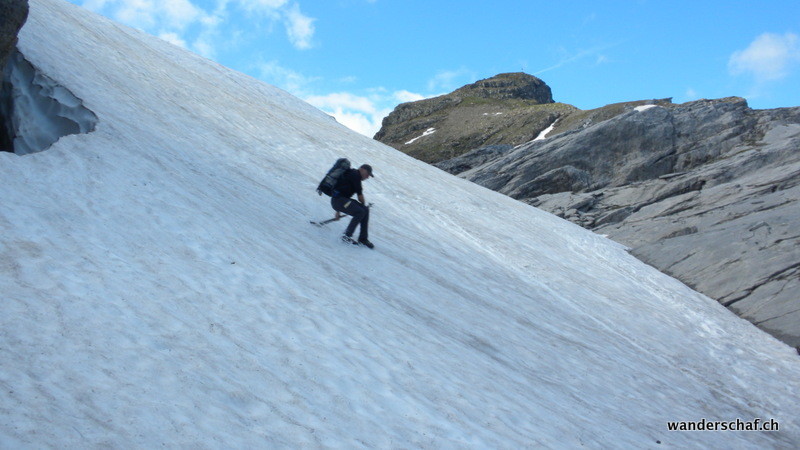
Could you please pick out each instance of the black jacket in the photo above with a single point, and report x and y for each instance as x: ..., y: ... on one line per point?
x: 349, y: 184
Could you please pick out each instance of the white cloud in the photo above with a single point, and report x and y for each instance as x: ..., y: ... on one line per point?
x: 180, y: 13
x: 182, y: 21
x: 363, y: 114
x: 769, y: 57
x: 137, y: 13
x: 569, y: 57
x: 447, y: 80
x: 150, y: 15
x: 259, y: 5
x: 299, y: 27
x: 406, y: 96
x: 204, y: 46
x: 343, y: 100
x: 364, y: 124
x: 173, y: 38
x: 94, y: 5
x: 287, y: 79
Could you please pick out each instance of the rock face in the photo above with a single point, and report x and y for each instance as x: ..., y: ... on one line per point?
x: 707, y: 191
x: 508, y: 109
x: 13, y: 14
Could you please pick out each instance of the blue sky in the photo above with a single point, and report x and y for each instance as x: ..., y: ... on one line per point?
x: 357, y: 59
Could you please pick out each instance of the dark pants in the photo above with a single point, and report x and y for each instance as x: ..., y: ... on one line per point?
x: 358, y: 211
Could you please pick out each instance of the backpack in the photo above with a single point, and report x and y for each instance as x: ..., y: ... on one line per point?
x: 328, y: 183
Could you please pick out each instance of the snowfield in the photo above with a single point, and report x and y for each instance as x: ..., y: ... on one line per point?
x: 160, y: 285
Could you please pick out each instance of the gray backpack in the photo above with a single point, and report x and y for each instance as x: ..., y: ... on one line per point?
x: 332, y: 177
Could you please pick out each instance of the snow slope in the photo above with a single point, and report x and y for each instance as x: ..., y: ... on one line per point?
x: 160, y: 285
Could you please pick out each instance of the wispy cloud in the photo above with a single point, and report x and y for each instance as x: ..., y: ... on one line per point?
x: 769, y: 57
x: 258, y: 5
x: 287, y: 79
x: 359, y: 113
x: 343, y: 100
x: 404, y: 96
x: 362, y: 113
x: 299, y: 27
x: 148, y: 14
x: 595, y: 53
x: 447, y: 80
x: 182, y: 21
x: 174, y: 39
x: 180, y: 13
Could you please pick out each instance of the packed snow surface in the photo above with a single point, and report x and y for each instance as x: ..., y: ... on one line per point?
x: 161, y: 286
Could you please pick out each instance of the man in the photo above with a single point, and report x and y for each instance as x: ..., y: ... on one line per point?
x: 349, y: 184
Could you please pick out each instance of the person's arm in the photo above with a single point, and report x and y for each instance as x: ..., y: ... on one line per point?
x: 359, y: 190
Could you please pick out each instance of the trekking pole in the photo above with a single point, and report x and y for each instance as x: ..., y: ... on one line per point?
x: 325, y: 222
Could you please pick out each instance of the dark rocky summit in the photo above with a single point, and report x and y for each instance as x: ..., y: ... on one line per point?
x: 706, y: 191
x: 519, y: 86
x: 510, y: 108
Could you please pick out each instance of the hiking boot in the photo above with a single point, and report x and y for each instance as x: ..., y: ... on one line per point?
x: 366, y: 243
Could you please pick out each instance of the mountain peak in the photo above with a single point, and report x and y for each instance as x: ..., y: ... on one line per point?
x: 508, y: 108
x: 517, y: 85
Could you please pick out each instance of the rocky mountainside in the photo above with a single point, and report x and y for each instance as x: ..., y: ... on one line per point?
x: 705, y: 191
x: 510, y: 108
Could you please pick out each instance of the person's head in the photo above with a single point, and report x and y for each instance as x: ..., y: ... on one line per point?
x: 366, y: 171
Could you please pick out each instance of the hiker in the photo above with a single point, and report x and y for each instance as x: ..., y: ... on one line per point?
x: 350, y: 183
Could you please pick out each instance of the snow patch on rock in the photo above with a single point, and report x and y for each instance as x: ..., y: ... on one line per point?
x: 546, y: 131
x: 642, y: 108
x: 427, y: 132
x: 36, y: 111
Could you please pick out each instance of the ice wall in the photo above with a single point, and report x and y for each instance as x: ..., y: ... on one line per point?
x: 36, y: 111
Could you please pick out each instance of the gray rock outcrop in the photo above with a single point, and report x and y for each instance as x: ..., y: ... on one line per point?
x: 707, y: 191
